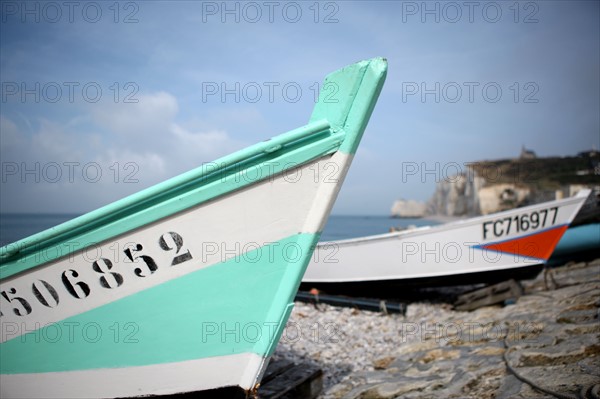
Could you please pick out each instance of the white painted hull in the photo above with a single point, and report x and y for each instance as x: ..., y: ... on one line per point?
x: 243, y: 370
x: 213, y: 233
x: 187, y: 285
x: 477, y: 245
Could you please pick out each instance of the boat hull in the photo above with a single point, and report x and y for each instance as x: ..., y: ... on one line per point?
x: 151, y: 303
x: 442, y: 288
x: 185, y: 286
x: 474, y: 250
x: 580, y: 243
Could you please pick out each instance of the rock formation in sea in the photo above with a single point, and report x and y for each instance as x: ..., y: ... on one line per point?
x: 408, y: 209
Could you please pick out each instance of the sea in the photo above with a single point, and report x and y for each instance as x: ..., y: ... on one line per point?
x: 15, y: 226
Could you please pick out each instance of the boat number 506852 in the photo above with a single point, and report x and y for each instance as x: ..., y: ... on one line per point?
x: 49, y: 296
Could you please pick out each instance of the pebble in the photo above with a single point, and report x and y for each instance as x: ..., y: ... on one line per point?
x: 550, y: 338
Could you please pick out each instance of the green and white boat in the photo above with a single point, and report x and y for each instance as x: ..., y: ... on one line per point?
x: 187, y: 285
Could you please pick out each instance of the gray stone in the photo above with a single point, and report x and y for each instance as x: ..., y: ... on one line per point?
x: 435, y: 352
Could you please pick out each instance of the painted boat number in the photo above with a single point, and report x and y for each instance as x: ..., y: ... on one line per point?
x: 523, y: 222
x: 47, y: 295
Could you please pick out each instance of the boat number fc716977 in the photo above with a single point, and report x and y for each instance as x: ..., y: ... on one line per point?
x: 520, y: 223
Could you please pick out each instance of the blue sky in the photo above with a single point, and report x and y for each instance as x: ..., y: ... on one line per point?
x: 102, y: 99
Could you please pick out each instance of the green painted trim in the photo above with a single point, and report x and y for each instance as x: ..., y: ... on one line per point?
x: 348, y: 98
x: 174, y: 321
x: 179, y: 200
x: 167, y: 189
x: 336, y: 124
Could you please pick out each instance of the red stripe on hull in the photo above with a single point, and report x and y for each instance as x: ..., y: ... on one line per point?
x: 539, y: 245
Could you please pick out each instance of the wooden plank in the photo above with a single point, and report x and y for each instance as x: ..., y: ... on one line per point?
x: 492, y: 295
x: 299, y: 382
x: 282, y: 380
x: 275, y: 368
x: 220, y: 393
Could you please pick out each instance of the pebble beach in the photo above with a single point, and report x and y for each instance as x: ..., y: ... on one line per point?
x: 546, y: 344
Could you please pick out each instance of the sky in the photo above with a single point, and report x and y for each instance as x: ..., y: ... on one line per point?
x: 102, y: 99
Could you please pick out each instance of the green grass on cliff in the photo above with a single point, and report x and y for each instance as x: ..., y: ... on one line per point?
x: 540, y: 173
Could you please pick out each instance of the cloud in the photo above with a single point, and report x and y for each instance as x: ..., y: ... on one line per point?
x: 149, y: 114
x: 9, y: 135
x: 96, y: 158
x: 204, y: 144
